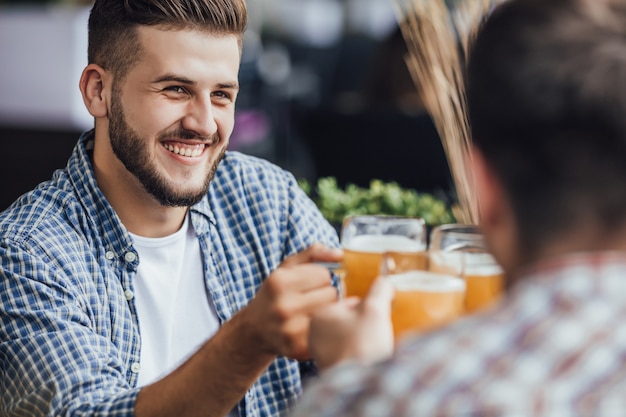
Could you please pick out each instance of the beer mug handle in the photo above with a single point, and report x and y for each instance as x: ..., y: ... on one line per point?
x: 463, y: 248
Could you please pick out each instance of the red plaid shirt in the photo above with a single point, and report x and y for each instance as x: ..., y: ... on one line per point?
x: 555, y: 347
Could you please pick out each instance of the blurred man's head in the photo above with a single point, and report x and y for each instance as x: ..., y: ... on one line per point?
x: 547, y: 103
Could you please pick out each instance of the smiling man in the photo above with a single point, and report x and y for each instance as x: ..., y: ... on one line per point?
x: 158, y: 273
x: 168, y: 121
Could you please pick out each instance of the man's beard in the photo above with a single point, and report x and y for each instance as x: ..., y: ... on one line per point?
x: 131, y: 150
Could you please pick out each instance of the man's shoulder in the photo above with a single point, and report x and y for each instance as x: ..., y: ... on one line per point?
x: 450, y: 347
x: 240, y: 173
x: 46, y: 207
x: 237, y: 162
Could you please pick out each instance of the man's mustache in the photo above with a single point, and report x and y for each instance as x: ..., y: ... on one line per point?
x: 191, y: 135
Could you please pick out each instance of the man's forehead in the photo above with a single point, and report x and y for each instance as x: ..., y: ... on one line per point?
x: 190, y: 57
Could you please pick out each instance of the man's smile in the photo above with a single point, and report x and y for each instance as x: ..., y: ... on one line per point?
x: 185, y: 149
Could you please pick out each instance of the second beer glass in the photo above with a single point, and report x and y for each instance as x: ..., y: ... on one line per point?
x: 365, y: 238
x: 460, y: 249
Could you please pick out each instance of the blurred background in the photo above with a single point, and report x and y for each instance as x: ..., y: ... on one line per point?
x: 324, y: 92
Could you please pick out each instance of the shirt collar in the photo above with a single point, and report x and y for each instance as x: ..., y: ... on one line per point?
x: 104, y: 219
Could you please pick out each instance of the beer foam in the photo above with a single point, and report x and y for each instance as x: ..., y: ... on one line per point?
x: 426, y: 281
x: 384, y: 243
x: 445, y: 258
x: 481, y: 264
x: 473, y: 263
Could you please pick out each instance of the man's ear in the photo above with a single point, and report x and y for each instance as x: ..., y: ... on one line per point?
x: 487, y: 187
x: 92, y: 87
x: 497, y: 219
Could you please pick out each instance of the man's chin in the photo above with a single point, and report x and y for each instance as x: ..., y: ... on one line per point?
x: 179, y: 198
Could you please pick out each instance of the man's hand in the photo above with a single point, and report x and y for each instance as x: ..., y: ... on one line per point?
x: 280, y: 313
x: 276, y: 321
x: 354, y: 329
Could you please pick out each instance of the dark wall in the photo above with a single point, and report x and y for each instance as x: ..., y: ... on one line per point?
x: 390, y: 146
x: 30, y: 156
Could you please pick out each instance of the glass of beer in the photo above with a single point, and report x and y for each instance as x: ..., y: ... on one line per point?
x: 460, y: 249
x: 365, y: 238
x: 424, y: 300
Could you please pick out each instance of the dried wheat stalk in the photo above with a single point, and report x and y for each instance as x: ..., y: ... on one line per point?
x: 438, y: 39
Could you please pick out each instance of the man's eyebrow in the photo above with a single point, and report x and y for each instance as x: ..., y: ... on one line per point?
x: 187, y: 81
x: 173, y: 78
x: 229, y: 86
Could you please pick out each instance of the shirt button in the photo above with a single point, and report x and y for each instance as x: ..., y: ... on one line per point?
x: 109, y: 255
x: 129, y: 295
x: 130, y: 257
x: 135, y: 367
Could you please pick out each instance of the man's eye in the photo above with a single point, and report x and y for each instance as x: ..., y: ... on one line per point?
x: 221, y: 94
x: 176, y: 89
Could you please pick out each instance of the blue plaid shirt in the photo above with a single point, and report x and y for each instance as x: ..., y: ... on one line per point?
x: 69, y: 335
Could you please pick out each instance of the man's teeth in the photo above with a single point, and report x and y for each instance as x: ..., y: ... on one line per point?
x: 196, y: 151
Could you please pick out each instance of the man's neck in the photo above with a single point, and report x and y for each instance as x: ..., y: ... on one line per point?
x: 142, y: 215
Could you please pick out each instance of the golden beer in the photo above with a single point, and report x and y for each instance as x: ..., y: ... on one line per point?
x: 484, y: 279
x: 424, y: 300
x: 363, y: 256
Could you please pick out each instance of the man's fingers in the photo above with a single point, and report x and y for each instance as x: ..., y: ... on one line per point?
x: 317, y: 252
x: 379, y: 297
x: 351, y: 302
x: 300, y: 278
x: 313, y: 300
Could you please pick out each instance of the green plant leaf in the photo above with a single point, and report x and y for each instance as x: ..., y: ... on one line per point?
x: 381, y: 197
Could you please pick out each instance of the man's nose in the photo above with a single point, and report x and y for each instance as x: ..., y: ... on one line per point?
x: 200, y: 117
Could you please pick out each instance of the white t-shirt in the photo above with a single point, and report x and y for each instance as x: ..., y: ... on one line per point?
x: 175, y: 313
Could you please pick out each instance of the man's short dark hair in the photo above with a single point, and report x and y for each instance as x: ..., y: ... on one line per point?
x: 546, y: 89
x: 113, y: 39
